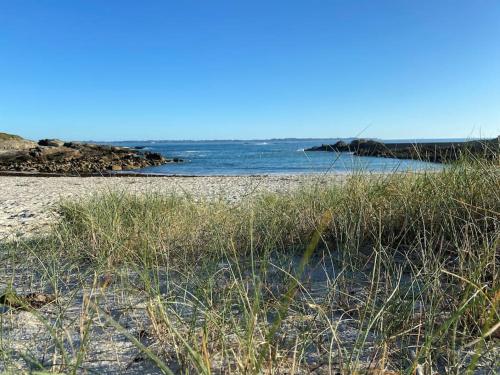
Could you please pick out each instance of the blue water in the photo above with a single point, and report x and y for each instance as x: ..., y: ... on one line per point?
x: 263, y: 158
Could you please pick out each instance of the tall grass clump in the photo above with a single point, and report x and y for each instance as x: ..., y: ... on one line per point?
x: 408, y: 264
x: 441, y: 211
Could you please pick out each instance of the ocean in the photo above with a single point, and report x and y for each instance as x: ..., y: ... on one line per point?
x: 265, y: 157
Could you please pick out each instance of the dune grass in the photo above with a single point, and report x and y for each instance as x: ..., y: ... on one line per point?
x: 378, y: 274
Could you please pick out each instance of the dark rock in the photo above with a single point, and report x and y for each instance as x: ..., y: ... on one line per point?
x: 32, y: 300
x: 153, y: 156
x: 437, y: 152
x: 341, y: 146
x: 72, y: 144
x: 323, y: 147
x: 51, y: 142
x: 367, y: 145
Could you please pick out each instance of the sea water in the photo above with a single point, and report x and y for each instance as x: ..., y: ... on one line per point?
x: 264, y: 157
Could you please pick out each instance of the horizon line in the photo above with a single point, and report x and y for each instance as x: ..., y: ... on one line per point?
x: 290, y: 139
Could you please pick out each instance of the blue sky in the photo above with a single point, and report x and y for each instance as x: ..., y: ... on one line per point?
x: 113, y: 70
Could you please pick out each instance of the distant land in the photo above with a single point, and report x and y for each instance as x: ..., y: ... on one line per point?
x: 409, y: 140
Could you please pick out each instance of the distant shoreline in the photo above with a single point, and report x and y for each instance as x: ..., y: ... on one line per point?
x: 391, y: 140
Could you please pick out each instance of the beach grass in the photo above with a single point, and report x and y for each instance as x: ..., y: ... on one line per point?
x: 377, y: 274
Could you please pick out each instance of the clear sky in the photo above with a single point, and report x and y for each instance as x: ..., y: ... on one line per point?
x: 119, y: 69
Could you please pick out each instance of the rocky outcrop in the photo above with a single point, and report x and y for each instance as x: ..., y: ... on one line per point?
x: 73, y: 158
x: 51, y: 142
x: 9, y: 142
x: 436, y: 152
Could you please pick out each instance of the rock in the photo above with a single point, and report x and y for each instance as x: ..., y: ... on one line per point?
x: 321, y: 148
x: 437, y: 152
x: 10, y: 142
x: 51, y: 142
x: 32, y: 300
x: 74, y: 158
x: 72, y: 144
x: 37, y: 300
x: 367, y: 145
x: 341, y: 145
x: 153, y: 156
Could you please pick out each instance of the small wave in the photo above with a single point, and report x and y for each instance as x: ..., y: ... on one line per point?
x: 300, y: 150
x: 261, y: 143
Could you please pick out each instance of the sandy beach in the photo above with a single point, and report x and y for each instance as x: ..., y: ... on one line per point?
x: 27, y: 203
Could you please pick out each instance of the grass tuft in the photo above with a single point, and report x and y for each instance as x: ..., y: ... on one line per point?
x: 376, y: 274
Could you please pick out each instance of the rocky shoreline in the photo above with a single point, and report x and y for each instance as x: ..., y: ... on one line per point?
x: 52, y: 156
x: 435, y: 152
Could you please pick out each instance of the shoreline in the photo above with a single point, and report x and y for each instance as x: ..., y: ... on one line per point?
x: 256, y: 175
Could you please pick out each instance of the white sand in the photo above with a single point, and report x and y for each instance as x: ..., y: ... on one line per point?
x: 26, y: 203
